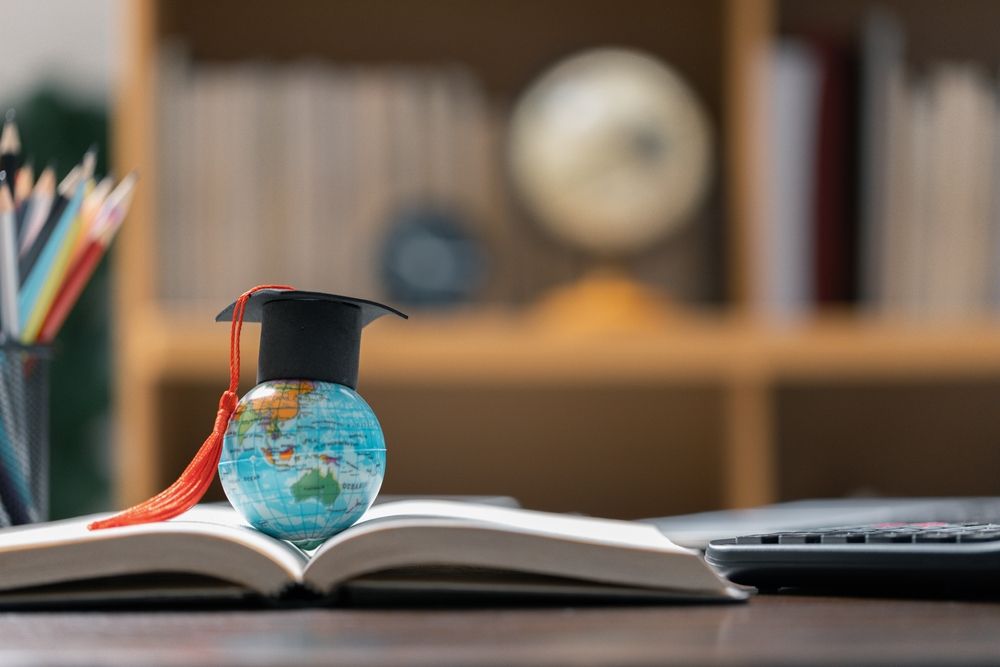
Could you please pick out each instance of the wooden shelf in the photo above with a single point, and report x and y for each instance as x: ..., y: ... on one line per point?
x: 505, y: 348
x: 473, y: 349
x: 873, y: 350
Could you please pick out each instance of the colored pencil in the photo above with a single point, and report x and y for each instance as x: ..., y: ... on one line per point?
x: 37, y: 210
x: 70, y: 185
x: 31, y: 289
x: 22, y: 184
x: 81, y: 173
x: 76, y: 280
x: 10, y: 149
x: 99, y: 237
x: 9, y: 320
x: 113, y: 212
x: 55, y: 273
x: 89, y: 162
x: 92, y: 204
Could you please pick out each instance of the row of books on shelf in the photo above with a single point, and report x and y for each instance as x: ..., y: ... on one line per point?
x: 883, y: 180
x: 297, y: 172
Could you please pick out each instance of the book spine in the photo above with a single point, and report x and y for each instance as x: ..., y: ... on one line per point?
x: 786, y: 247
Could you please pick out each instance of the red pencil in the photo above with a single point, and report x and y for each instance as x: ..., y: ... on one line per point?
x: 76, y: 279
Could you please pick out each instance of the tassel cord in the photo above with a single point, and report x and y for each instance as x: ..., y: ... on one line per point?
x: 192, y: 484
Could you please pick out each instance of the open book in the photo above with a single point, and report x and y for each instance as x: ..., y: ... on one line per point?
x: 409, y: 548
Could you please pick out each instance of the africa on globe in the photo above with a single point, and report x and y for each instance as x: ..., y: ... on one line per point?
x: 302, y: 460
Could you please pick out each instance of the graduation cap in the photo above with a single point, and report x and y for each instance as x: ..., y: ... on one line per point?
x: 304, y: 336
x: 309, y: 335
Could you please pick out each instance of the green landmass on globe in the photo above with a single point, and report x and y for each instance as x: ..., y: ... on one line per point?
x: 317, y: 484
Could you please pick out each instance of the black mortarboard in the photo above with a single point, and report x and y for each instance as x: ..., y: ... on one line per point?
x: 309, y: 335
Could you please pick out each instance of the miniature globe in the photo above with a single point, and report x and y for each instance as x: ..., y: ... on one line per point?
x: 302, y: 460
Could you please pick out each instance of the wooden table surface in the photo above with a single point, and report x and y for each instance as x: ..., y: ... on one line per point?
x: 770, y: 630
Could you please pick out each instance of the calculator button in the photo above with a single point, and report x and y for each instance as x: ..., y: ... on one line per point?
x: 889, y: 537
x: 757, y: 539
x: 980, y: 536
x: 844, y: 537
x: 799, y: 538
x: 937, y: 536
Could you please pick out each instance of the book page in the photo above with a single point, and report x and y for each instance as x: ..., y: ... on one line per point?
x: 565, y: 526
x: 440, y: 533
x: 206, y: 540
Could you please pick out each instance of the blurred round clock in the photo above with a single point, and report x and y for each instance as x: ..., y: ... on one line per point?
x: 611, y: 151
x: 429, y: 258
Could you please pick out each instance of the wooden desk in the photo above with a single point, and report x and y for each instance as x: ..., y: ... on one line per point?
x: 771, y: 630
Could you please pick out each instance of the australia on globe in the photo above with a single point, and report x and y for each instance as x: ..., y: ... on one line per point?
x: 302, y: 460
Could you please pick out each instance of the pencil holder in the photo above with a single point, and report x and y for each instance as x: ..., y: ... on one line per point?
x: 24, y: 433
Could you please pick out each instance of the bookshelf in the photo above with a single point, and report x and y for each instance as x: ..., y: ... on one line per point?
x: 707, y: 385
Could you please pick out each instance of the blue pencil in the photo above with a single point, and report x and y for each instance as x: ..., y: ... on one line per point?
x: 40, y: 271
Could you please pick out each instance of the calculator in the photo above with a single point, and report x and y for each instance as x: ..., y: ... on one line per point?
x: 884, y: 555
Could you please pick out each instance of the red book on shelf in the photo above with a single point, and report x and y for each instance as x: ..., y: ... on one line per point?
x: 834, y: 237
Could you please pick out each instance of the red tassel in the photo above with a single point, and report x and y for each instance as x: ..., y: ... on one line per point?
x: 191, y: 486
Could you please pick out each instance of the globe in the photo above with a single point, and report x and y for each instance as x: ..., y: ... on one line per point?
x: 611, y: 151
x: 302, y: 460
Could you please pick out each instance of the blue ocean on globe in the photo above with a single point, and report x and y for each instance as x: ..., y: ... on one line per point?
x: 302, y: 460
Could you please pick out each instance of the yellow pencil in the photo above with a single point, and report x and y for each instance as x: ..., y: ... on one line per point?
x: 53, y: 280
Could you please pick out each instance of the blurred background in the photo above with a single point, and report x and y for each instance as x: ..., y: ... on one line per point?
x: 659, y: 256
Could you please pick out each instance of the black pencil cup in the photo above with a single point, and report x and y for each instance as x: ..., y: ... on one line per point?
x: 24, y: 433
